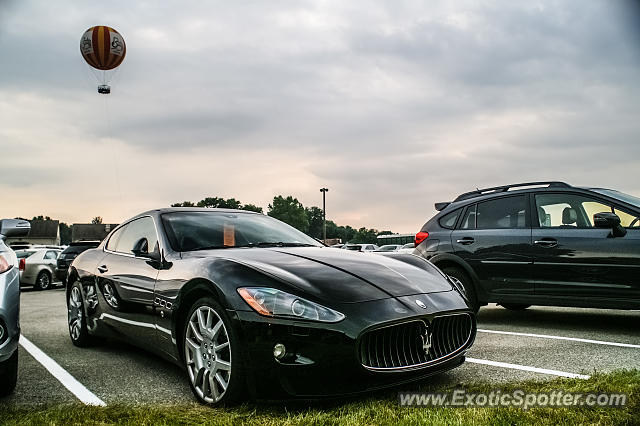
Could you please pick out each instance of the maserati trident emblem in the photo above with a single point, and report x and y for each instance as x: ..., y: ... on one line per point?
x: 426, y: 341
x: 421, y: 304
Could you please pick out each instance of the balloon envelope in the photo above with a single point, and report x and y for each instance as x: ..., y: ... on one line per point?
x: 103, y: 47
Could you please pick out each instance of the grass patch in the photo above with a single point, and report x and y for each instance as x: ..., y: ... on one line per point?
x: 381, y: 409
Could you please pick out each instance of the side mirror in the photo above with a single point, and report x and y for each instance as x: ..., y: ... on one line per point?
x: 608, y: 220
x: 14, y: 228
x: 141, y: 249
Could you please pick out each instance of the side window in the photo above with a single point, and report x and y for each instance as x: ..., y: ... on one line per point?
x: 509, y: 212
x: 113, y: 241
x: 568, y: 210
x: 627, y: 220
x: 51, y: 255
x: 449, y: 220
x: 469, y: 218
x: 136, y: 230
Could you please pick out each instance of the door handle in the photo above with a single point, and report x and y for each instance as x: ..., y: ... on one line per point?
x: 546, y: 242
x: 102, y: 269
x: 466, y: 241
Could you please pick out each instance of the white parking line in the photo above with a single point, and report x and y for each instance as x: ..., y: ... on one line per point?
x: 527, y: 368
x: 67, y: 380
x: 571, y: 339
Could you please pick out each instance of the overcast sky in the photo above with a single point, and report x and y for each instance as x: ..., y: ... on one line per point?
x: 392, y: 105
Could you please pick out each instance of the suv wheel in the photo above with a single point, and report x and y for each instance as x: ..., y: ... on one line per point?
x: 515, y: 306
x: 469, y: 288
x: 43, y: 282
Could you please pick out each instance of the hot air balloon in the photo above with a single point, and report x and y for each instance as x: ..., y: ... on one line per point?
x: 103, y: 48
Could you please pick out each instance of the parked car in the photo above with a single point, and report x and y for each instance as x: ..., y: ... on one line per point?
x: 408, y: 248
x: 388, y: 248
x: 70, y: 253
x: 360, y: 247
x: 339, y: 245
x: 539, y: 243
x: 9, y: 304
x: 246, y: 304
x: 37, y: 267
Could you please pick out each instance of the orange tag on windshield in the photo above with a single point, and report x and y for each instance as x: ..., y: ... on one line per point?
x: 229, y: 235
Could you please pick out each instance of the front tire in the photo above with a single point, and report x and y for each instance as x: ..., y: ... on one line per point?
x: 77, y: 319
x: 466, y: 282
x: 212, y: 354
x: 43, y: 281
x: 9, y: 374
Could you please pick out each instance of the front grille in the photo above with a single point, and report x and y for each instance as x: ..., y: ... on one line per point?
x: 409, y: 345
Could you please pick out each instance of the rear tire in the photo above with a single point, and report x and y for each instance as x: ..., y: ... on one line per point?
x: 43, y: 282
x: 9, y: 374
x: 467, y: 283
x: 77, y: 320
x: 515, y: 306
x: 212, y: 354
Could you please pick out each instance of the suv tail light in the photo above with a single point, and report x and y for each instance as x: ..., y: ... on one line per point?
x: 21, y: 264
x: 420, y: 237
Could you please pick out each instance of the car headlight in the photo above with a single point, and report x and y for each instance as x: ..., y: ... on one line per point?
x: 276, y: 303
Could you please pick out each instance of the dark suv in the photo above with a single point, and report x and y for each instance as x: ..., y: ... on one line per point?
x: 66, y: 257
x: 539, y: 243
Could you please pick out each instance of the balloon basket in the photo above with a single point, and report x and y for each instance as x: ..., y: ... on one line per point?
x: 104, y: 89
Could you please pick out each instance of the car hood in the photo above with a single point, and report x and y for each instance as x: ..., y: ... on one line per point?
x: 339, y: 276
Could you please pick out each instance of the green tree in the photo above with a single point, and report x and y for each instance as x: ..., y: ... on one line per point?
x: 289, y: 210
x: 183, y: 204
x: 252, y: 208
x: 65, y: 234
x: 364, y: 235
x: 96, y: 220
x: 218, y: 202
x: 314, y: 217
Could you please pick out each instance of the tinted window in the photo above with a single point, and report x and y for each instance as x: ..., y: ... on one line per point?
x: 51, y: 255
x: 24, y: 254
x: 189, y: 231
x: 77, y: 249
x: 568, y: 210
x: 501, y: 213
x: 469, y: 219
x: 134, y: 232
x: 627, y: 220
x: 449, y: 220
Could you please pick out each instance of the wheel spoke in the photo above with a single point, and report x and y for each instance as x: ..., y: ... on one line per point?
x: 220, y: 347
x: 214, y: 388
x: 195, y: 331
x: 204, y: 382
x: 209, y: 319
x: 201, y: 321
x: 221, y: 380
x: 223, y: 365
x: 216, y: 330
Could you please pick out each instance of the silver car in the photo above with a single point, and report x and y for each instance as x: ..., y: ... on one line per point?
x: 9, y: 304
x: 37, y: 267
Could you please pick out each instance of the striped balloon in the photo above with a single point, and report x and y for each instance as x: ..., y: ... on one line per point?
x: 103, y: 47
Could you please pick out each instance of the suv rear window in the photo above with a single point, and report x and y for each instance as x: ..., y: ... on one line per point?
x: 508, y: 212
x: 449, y: 220
x: 79, y: 248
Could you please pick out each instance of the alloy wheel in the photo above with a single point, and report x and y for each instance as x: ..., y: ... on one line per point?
x: 75, y: 313
x: 208, y: 354
x: 43, y: 281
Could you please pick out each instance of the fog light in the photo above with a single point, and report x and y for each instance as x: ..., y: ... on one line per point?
x: 279, y: 351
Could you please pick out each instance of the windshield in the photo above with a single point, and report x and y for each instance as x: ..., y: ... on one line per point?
x: 189, y: 231
x: 388, y: 248
x: 630, y: 199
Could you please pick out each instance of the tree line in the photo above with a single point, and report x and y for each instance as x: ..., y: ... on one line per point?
x: 291, y: 211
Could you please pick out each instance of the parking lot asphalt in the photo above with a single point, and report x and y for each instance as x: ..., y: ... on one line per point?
x: 119, y: 373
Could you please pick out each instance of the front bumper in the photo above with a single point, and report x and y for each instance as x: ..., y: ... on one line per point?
x: 9, y: 312
x: 323, y: 358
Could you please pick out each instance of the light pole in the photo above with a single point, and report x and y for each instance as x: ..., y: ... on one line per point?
x: 324, y: 214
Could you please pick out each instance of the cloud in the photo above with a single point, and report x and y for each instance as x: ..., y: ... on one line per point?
x: 393, y: 106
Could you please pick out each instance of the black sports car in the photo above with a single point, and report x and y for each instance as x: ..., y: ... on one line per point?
x: 250, y: 306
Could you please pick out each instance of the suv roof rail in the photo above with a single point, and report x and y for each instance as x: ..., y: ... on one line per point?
x: 505, y: 188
